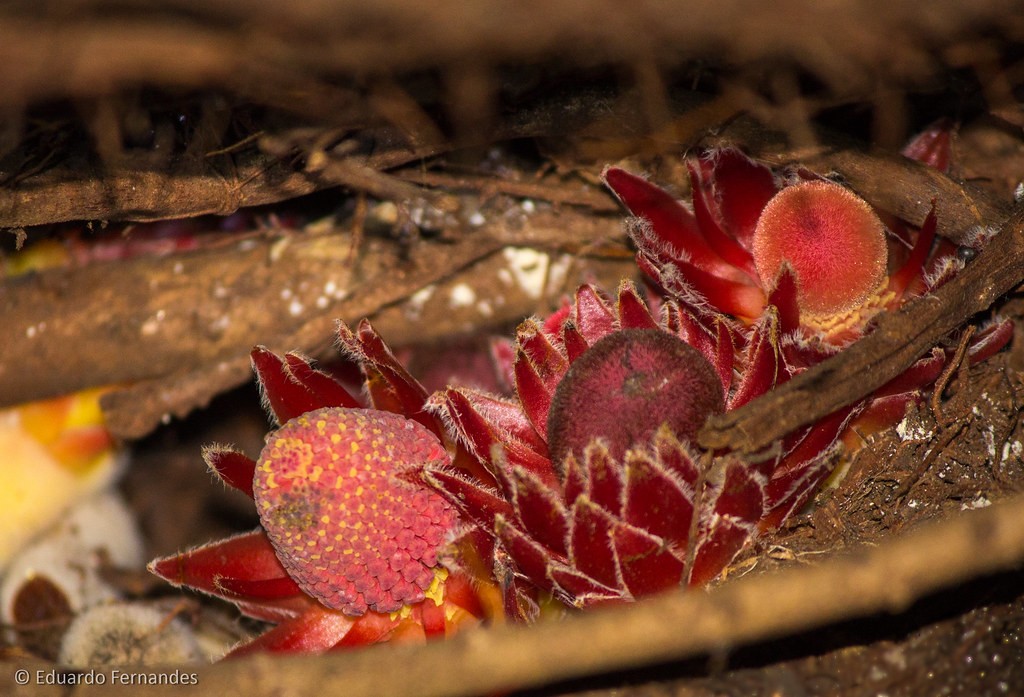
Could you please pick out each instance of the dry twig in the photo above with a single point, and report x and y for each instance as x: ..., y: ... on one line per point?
x: 182, y: 326
x: 887, y: 578
x: 190, y: 43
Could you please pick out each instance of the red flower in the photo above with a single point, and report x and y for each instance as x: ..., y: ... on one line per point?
x: 808, y: 247
x: 348, y: 550
x: 753, y: 238
x: 596, y: 485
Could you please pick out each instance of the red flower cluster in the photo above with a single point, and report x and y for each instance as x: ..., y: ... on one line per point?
x: 583, y: 484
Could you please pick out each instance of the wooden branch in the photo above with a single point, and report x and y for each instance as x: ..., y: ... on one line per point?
x: 885, y: 578
x: 899, y: 339
x: 182, y: 326
x: 185, y: 42
x: 133, y: 189
x: 79, y: 190
x: 577, y: 194
x: 303, y: 62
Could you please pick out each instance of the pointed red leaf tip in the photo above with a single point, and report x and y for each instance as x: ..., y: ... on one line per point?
x: 626, y: 386
x: 933, y: 146
x: 832, y: 239
x: 234, y: 468
x: 348, y: 522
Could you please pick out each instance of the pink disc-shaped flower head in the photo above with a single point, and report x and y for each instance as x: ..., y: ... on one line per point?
x: 831, y: 238
x: 336, y: 494
x: 625, y: 386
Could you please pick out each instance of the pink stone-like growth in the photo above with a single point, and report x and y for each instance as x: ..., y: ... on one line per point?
x: 830, y: 237
x: 627, y: 385
x: 349, y: 524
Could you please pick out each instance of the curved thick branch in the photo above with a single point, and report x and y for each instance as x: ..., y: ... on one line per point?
x: 181, y: 326
x: 886, y: 578
x: 79, y: 190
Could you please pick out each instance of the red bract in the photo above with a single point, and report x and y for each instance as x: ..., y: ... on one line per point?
x: 606, y: 501
x: 348, y: 550
x: 806, y: 245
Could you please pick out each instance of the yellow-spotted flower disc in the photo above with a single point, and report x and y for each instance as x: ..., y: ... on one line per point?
x: 337, y: 493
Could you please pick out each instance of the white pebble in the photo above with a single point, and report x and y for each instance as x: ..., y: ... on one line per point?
x: 529, y: 268
x: 462, y: 296
x: 125, y: 634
